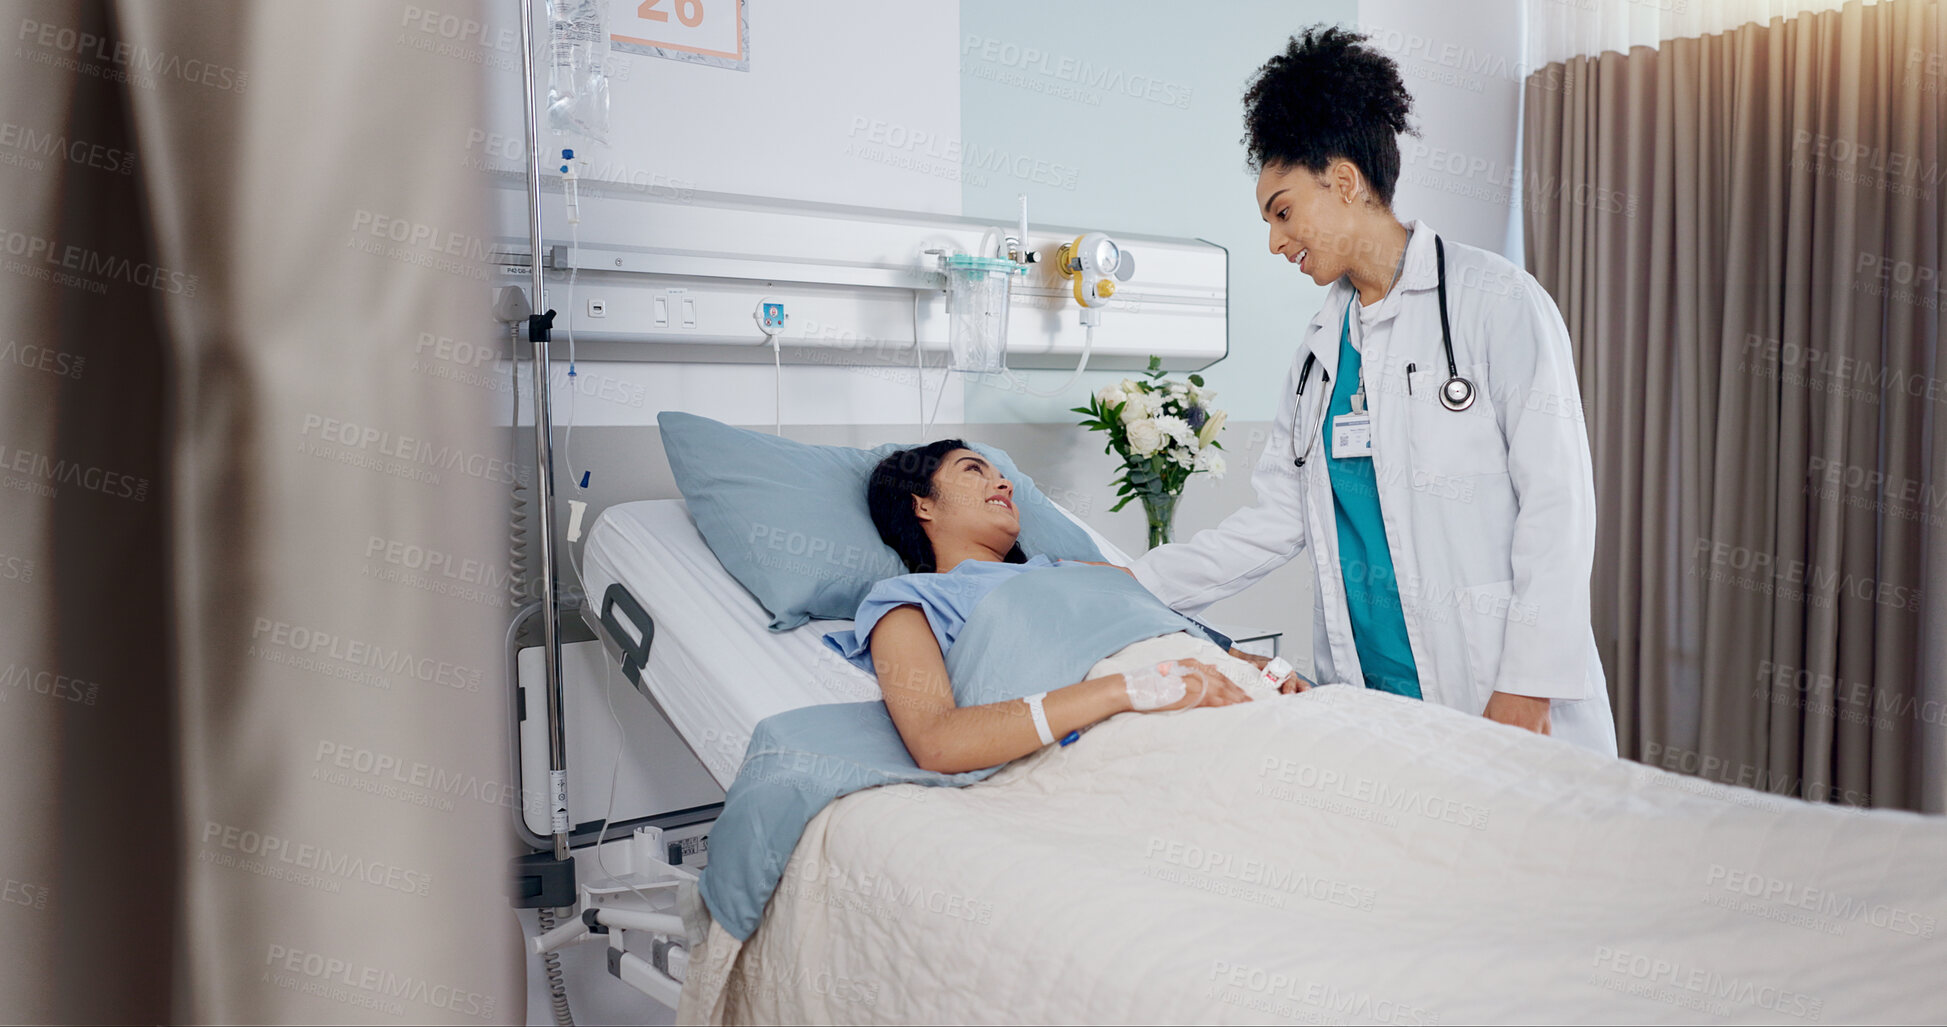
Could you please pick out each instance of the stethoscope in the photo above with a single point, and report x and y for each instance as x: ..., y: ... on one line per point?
x: 1456, y: 393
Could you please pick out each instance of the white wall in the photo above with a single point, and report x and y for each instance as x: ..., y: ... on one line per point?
x: 1463, y: 64
x: 1160, y: 155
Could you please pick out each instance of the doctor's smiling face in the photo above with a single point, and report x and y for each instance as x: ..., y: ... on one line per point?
x: 1312, y: 223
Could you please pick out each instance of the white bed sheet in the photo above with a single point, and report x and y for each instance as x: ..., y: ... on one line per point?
x: 1338, y: 856
x: 714, y: 666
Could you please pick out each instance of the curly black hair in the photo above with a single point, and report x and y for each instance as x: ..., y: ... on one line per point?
x: 1329, y: 95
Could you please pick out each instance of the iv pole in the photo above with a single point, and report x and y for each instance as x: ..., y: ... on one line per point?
x: 544, y: 879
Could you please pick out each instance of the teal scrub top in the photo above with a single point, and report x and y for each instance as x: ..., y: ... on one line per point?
x: 1371, y: 588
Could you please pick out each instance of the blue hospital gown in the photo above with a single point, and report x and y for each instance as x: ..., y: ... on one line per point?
x: 946, y: 599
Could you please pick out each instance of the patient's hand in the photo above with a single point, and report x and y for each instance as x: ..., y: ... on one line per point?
x: 1215, y: 690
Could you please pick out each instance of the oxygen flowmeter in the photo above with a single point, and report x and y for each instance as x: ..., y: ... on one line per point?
x: 1093, y: 264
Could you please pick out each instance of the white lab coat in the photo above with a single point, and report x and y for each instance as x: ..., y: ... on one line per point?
x: 1489, y: 512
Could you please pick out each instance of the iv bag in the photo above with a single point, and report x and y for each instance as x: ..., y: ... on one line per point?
x: 577, y: 75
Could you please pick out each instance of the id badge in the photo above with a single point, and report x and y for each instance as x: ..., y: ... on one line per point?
x: 1352, y: 436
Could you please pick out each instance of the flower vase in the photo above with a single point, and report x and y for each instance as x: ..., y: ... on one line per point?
x: 1160, y: 508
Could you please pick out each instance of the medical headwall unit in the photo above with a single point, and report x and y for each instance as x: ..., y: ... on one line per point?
x: 676, y: 276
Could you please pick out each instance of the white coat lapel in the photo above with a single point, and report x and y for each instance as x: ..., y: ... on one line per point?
x: 1322, y: 335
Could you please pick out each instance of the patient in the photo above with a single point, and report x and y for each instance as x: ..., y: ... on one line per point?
x: 950, y: 515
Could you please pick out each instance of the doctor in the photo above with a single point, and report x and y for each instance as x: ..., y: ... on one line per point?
x: 1429, y: 446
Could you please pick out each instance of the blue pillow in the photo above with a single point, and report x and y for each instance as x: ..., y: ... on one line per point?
x: 789, y: 521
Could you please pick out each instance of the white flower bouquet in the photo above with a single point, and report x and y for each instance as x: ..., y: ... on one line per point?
x: 1164, y: 431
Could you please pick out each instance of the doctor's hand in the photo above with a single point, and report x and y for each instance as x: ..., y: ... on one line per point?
x: 1251, y: 658
x: 1522, y: 711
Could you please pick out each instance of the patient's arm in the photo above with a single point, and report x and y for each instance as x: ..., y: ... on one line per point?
x: 948, y: 738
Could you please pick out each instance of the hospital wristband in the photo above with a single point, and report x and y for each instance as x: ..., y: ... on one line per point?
x: 1040, y: 717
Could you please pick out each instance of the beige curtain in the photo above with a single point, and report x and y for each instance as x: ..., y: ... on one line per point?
x: 1744, y: 233
x: 255, y: 751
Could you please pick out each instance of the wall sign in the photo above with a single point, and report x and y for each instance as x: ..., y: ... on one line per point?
x: 714, y: 32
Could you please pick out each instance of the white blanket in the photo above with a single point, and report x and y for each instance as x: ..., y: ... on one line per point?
x: 1341, y: 855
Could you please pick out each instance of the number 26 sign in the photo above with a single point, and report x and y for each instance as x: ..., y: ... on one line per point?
x: 694, y: 31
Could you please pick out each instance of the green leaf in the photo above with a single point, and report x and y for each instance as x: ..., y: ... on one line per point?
x: 1118, y: 506
x: 1196, y: 380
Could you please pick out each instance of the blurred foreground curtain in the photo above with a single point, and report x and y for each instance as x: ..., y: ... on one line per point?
x: 1744, y: 232
x: 255, y: 764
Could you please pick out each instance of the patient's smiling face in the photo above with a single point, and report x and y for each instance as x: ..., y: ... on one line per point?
x: 972, y: 502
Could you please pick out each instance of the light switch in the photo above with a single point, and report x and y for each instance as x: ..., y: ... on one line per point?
x: 689, y: 313
x: 662, y: 312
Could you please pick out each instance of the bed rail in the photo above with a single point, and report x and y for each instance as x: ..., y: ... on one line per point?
x: 634, y: 644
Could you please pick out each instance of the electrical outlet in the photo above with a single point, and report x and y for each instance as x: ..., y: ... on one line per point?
x: 597, y: 308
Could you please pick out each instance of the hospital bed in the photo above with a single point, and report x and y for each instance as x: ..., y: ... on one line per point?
x: 1337, y: 856
x: 694, y: 644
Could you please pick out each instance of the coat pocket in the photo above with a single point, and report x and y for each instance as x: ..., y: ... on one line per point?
x: 1451, y: 444
x: 1481, y: 614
